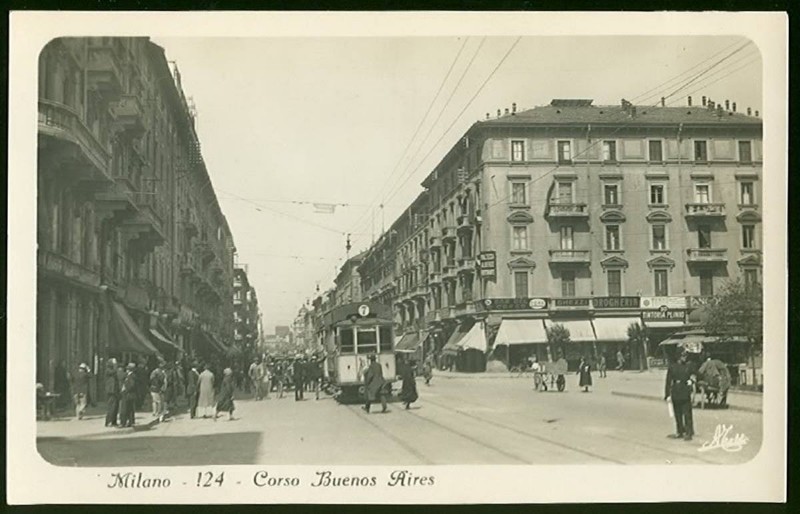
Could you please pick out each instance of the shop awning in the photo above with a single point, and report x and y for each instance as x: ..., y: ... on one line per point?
x: 125, y: 334
x: 211, y: 341
x: 452, y: 344
x: 580, y: 330
x: 163, y: 342
x: 408, y: 343
x: 691, y: 343
x: 613, y: 329
x: 474, y: 340
x: 521, y: 331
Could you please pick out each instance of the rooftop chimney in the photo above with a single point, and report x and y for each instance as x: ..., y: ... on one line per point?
x: 499, y: 113
x: 514, y: 108
x: 749, y: 111
x: 506, y: 111
x: 733, y: 107
x: 689, y: 99
x: 704, y: 100
x: 719, y: 110
x: 488, y: 115
x: 727, y: 105
x: 756, y: 114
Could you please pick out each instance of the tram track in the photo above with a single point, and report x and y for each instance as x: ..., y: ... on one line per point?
x: 403, y: 444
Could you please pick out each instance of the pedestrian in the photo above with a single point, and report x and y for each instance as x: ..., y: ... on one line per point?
x: 128, y: 392
x: 601, y: 367
x: 620, y: 361
x: 192, y: 379
x: 279, y: 377
x: 256, y: 376
x: 226, y: 390
x: 61, y: 384
x: 537, y: 370
x: 374, y: 384
x: 299, y: 376
x: 80, y: 389
x: 314, y: 374
x: 158, y: 386
x: 142, y: 373
x: 678, y: 389
x: 427, y: 369
x: 205, y: 399
x: 112, y: 388
x: 585, y: 372
x: 266, y: 379
x: 408, y: 392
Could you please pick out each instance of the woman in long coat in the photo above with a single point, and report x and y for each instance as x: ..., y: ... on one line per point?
x: 225, y: 403
x: 584, y: 370
x: 205, y: 399
x: 408, y: 393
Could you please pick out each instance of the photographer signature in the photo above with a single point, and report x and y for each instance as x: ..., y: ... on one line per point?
x: 721, y: 439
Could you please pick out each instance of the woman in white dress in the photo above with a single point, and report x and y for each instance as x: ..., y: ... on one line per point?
x: 205, y: 400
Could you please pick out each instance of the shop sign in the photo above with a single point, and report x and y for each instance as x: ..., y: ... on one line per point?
x: 699, y: 301
x: 616, y: 302
x: 671, y: 302
x: 664, y: 314
x: 488, y: 264
x: 512, y: 304
x: 571, y: 303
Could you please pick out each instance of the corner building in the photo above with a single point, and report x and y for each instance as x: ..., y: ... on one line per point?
x: 593, y: 217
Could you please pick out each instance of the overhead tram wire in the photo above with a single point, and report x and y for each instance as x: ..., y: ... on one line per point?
x: 444, y: 107
x: 421, y: 122
x: 455, y: 120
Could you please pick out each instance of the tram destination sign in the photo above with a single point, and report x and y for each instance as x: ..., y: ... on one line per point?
x: 487, y: 262
x: 615, y: 302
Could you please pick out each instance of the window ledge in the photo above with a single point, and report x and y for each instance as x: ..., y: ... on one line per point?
x: 612, y: 206
x: 659, y: 206
x: 614, y: 251
x: 656, y: 251
x: 521, y: 252
x: 519, y: 206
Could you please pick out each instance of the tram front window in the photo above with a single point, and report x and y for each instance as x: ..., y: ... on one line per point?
x: 346, y: 341
x: 367, y: 341
x: 386, y: 339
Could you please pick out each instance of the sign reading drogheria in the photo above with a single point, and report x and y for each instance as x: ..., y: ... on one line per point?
x: 615, y: 302
x: 487, y: 262
x: 263, y: 478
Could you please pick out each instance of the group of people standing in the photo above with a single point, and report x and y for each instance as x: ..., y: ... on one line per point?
x: 302, y: 373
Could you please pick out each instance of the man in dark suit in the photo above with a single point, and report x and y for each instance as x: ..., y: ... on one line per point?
x: 678, y: 388
x: 374, y: 384
x: 129, y: 397
x: 192, y: 379
x: 299, y: 375
x: 112, y: 386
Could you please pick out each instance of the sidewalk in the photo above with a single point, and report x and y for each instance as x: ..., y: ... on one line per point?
x: 645, y: 385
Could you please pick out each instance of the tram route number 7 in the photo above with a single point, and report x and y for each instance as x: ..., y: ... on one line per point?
x: 209, y: 479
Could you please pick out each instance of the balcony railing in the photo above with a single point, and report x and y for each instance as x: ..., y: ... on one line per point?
x: 435, y: 241
x: 570, y: 256
x: 705, y: 210
x: 62, y: 267
x: 103, y: 74
x: 448, y: 233
x: 707, y: 255
x: 567, y: 210
x: 59, y: 121
x: 466, y: 264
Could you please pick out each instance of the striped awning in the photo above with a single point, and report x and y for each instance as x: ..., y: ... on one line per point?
x: 613, y: 329
x: 521, y: 331
x: 408, y: 343
x: 452, y: 344
x: 474, y: 340
x: 580, y: 330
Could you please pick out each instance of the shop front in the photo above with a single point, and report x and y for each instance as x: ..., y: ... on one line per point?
x: 612, y: 337
x: 519, y: 339
x: 581, y: 340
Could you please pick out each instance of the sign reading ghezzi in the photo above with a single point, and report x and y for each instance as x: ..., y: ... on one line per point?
x: 488, y: 264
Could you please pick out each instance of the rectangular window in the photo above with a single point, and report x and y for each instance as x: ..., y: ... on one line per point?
x: 700, y: 151
x: 659, y: 237
x: 614, y: 282
x: 517, y: 151
x: 609, y: 151
x: 656, y: 152
x: 611, y: 194
x: 660, y: 285
x: 521, y: 284
x: 706, y: 283
x: 346, y: 340
x: 566, y: 237
x: 385, y: 342
x: 612, y: 237
x: 520, y: 238
x: 745, y: 152
x: 657, y: 196
x: 704, y: 236
x: 748, y: 236
x: 366, y: 341
x: 518, y: 193
x: 567, y: 283
x: 750, y: 278
x: 564, y: 152
x: 746, y: 193
x: 564, y: 192
x: 702, y: 193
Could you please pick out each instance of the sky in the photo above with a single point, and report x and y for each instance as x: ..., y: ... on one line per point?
x: 359, y: 122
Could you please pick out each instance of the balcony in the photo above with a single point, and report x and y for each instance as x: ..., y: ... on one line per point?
x: 102, y: 72
x: 61, y: 123
x: 59, y: 266
x: 435, y: 242
x: 466, y: 265
x: 705, y: 210
x: 567, y: 211
x: 435, y: 277
x: 189, y: 221
x: 129, y: 115
x: 448, y: 233
x: 188, y: 266
x: 464, y: 224
x: 707, y: 255
x: 570, y: 256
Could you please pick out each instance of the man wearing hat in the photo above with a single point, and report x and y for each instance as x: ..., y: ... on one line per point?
x: 128, y: 402
x: 299, y: 376
x: 374, y: 384
x: 80, y: 389
x: 112, y: 384
x: 192, y: 389
x: 678, y: 389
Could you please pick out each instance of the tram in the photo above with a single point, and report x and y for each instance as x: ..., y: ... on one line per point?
x: 352, y: 333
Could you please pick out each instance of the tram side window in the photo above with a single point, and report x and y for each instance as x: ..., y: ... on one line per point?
x: 367, y: 341
x: 346, y: 340
x: 386, y: 339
